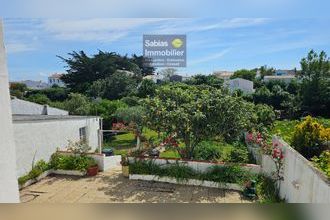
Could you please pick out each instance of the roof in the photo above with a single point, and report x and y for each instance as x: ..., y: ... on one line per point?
x: 56, y: 75
x: 223, y: 73
x: 240, y: 79
x: 18, y: 118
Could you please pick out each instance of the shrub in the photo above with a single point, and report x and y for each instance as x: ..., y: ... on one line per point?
x: 207, y: 150
x: 37, y: 169
x: 323, y: 162
x: 307, y: 138
x: 71, y: 162
x: 266, y: 190
x: 227, y: 174
x: 239, y: 155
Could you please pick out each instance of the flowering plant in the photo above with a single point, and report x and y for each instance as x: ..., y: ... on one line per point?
x: 278, y: 157
x: 119, y: 126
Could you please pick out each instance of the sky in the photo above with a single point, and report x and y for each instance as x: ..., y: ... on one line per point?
x: 247, y: 37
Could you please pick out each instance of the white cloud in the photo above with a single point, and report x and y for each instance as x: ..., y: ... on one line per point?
x: 18, y: 47
x: 104, y: 29
x: 210, y: 57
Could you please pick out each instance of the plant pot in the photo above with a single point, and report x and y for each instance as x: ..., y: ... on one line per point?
x: 92, y: 171
x: 125, y: 171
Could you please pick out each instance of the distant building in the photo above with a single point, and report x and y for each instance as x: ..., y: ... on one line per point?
x: 284, y: 78
x: 176, y: 78
x: 225, y: 75
x: 55, y: 79
x: 285, y: 72
x: 35, y: 84
x: 244, y: 85
x: 155, y: 78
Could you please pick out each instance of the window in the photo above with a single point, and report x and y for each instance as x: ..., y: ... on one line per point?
x: 82, y: 134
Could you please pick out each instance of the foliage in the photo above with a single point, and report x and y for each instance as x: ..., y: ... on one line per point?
x: 265, y: 116
x: 17, y: 89
x: 196, y: 113
x: 210, y: 80
x: 266, y: 190
x: 315, y: 87
x: 244, y: 74
x: 131, y: 100
x: 119, y: 85
x: 146, y: 88
x: 71, y: 162
x: 77, y: 104
x: 55, y: 93
x: 167, y: 72
x: 37, y: 169
x: 84, y: 70
x: 323, y: 162
x: 265, y: 71
x: 39, y: 98
x: 220, y: 174
x: 79, y: 147
x: 307, y: 138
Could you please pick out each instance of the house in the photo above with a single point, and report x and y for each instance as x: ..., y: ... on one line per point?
x: 176, y: 78
x: 55, y: 79
x: 279, y: 72
x: 244, y: 85
x: 39, y: 130
x: 155, y: 78
x: 284, y: 78
x: 225, y: 75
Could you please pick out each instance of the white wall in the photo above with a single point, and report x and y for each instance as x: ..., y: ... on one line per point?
x: 302, y: 182
x: 39, y: 139
x: 22, y: 107
x: 8, y: 178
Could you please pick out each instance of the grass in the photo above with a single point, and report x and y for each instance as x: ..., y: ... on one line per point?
x: 122, y: 143
x: 285, y: 128
x: 170, y: 154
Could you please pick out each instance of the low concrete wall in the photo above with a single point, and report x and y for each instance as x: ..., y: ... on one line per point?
x: 104, y: 163
x: 199, y: 166
x: 189, y: 182
x: 303, y: 183
x: 39, y: 139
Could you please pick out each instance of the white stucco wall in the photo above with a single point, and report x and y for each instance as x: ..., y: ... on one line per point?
x: 8, y: 178
x: 241, y: 84
x: 39, y: 139
x: 302, y: 182
x: 22, y: 107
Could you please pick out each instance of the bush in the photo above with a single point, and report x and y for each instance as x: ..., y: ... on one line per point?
x: 40, y: 167
x: 265, y: 115
x: 71, y: 162
x: 323, y: 162
x: 207, y: 150
x: 39, y: 98
x: 227, y: 174
x: 308, y: 138
x: 266, y: 190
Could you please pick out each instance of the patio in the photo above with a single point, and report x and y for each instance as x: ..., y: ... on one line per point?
x: 111, y: 186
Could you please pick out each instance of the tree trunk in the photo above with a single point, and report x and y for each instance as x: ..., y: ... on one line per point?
x: 138, y: 142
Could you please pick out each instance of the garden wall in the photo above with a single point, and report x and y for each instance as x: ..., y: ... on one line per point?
x: 199, y: 166
x: 302, y: 182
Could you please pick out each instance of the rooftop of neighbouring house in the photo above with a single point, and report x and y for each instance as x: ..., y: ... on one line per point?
x: 49, y: 117
x: 56, y: 75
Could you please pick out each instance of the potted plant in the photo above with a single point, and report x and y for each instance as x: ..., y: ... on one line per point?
x: 93, y: 168
x: 124, y: 166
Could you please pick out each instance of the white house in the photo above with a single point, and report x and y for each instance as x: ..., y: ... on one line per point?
x: 244, y: 85
x: 55, y: 79
x: 155, y: 78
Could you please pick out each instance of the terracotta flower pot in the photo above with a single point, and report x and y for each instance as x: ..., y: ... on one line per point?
x: 92, y: 171
x: 125, y: 171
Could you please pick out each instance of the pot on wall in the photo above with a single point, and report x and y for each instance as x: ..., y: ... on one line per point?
x: 125, y: 171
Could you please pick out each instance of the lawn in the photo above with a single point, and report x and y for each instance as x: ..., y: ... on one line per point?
x: 121, y: 143
x: 285, y: 128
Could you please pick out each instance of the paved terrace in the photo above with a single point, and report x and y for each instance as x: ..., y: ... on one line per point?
x: 111, y: 186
